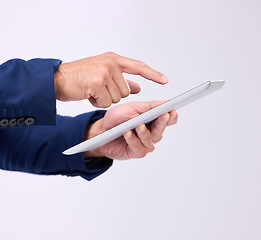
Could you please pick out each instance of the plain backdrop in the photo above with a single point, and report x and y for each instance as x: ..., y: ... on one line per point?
x: 203, y: 181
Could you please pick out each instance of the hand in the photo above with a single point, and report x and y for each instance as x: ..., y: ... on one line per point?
x: 134, y: 144
x: 99, y: 79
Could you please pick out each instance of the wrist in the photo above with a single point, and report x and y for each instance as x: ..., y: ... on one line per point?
x: 57, y: 80
x: 62, y: 90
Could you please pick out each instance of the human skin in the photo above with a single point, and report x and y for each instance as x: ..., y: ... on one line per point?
x: 99, y: 79
x: 136, y: 143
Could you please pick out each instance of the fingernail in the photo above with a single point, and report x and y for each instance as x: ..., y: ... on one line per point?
x: 165, y: 118
x: 164, y: 79
x: 127, y: 85
x: 141, y: 128
x: 128, y: 134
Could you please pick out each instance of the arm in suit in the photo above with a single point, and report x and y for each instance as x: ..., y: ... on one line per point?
x: 27, y: 94
x: 38, y: 149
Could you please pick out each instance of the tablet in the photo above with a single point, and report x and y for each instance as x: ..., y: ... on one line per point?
x: 146, y: 117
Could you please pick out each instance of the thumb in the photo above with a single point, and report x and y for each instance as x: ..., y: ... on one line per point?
x: 134, y: 87
x: 141, y: 107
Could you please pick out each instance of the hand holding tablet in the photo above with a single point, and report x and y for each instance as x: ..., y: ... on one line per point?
x: 146, y: 117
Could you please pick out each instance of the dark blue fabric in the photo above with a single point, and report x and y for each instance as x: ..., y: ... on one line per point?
x: 27, y: 90
x: 38, y: 149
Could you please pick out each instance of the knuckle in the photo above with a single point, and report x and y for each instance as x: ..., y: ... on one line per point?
x: 157, y: 139
x: 173, y: 121
x: 104, y: 71
x: 110, y: 62
x: 143, y: 153
x: 125, y: 94
x: 141, y: 64
x: 116, y: 100
x: 110, y: 54
x: 100, y: 82
x: 107, y: 66
x: 152, y: 148
x: 106, y: 105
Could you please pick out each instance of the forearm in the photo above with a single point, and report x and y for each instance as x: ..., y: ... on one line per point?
x: 39, y: 149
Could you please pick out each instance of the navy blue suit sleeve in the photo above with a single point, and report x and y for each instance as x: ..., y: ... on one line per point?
x: 38, y: 149
x: 27, y: 90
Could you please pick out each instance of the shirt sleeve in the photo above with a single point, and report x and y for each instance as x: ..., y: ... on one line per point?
x: 27, y: 95
x: 38, y: 149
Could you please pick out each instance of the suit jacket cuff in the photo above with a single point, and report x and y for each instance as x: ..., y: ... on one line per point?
x: 38, y: 149
x: 86, y: 168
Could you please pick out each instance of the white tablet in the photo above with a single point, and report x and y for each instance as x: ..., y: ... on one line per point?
x: 146, y: 117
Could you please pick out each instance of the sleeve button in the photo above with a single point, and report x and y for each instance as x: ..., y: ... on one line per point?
x: 4, y: 122
x: 29, y: 121
x: 12, y: 122
x: 20, y: 122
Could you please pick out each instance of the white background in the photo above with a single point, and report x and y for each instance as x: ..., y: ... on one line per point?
x: 203, y: 181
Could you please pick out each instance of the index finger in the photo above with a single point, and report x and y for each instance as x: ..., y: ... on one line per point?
x: 136, y: 67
